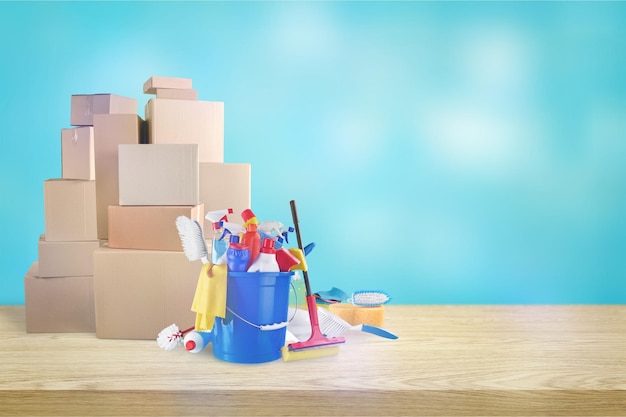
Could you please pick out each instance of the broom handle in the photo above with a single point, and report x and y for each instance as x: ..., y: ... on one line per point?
x: 294, y: 215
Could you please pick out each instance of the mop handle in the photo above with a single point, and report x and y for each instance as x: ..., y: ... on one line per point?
x: 294, y: 215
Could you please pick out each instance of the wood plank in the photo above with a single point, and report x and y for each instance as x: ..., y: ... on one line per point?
x: 448, y: 360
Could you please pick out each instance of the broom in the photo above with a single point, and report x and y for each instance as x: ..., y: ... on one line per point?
x: 317, y: 345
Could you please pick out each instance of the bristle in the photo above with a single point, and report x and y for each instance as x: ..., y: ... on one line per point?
x: 170, y: 338
x: 370, y: 298
x: 192, y: 238
x: 331, y: 326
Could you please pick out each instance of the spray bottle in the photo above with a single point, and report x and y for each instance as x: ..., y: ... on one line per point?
x: 275, y: 230
x: 218, y: 243
x: 266, y: 261
x: 232, y: 229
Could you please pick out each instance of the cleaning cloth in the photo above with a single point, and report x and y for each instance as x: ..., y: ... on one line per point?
x: 334, y: 295
x: 209, y: 301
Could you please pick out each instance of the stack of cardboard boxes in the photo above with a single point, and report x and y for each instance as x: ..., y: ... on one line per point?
x: 142, y: 175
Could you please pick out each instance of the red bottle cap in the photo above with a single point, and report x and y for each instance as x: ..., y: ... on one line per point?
x: 268, y: 246
x: 247, y: 214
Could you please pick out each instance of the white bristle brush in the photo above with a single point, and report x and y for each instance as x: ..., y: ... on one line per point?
x: 171, y: 337
x: 369, y: 298
x: 192, y: 238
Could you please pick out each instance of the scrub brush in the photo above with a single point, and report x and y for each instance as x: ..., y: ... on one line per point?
x: 333, y: 326
x: 369, y: 298
x: 192, y: 238
x: 171, y: 337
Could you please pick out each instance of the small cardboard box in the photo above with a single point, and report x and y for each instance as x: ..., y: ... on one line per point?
x: 225, y: 186
x: 84, y: 106
x: 149, y: 227
x: 188, y: 121
x: 111, y: 130
x: 77, y: 153
x: 176, y: 94
x: 154, y: 82
x: 70, y: 210
x: 138, y: 292
x: 58, y: 305
x: 66, y: 259
x: 158, y: 175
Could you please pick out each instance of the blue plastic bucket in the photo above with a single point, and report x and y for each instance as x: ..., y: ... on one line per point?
x: 253, y: 300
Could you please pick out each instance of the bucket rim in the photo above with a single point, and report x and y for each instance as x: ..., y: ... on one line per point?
x: 265, y: 274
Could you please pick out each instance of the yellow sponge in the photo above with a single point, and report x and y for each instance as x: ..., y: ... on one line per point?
x: 374, y: 316
x: 319, y: 352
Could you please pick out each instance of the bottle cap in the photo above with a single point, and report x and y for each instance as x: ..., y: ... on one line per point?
x: 190, y: 345
x: 247, y: 214
x: 234, y: 238
x: 268, y: 246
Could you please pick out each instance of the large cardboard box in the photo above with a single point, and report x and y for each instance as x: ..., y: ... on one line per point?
x: 155, y: 82
x: 58, y: 305
x: 77, y: 153
x: 139, y: 292
x: 110, y: 131
x: 176, y: 94
x: 149, y: 227
x: 84, y: 106
x: 188, y: 121
x: 225, y: 186
x: 66, y: 259
x: 70, y: 210
x: 158, y: 175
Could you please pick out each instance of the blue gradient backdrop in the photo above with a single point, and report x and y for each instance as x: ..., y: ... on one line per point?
x: 447, y: 152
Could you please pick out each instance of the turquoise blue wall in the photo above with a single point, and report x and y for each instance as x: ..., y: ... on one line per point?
x: 447, y: 152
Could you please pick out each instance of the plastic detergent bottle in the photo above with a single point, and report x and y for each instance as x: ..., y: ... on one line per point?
x: 237, y: 255
x: 266, y: 261
x: 252, y: 239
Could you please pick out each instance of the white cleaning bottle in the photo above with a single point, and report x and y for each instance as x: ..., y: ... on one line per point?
x: 266, y: 261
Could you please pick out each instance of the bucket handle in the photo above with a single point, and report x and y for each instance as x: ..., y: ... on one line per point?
x: 264, y: 327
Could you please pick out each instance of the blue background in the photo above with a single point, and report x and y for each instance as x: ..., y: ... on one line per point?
x: 446, y: 152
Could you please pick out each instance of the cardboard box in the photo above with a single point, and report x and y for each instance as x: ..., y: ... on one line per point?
x: 110, y: 131
x: 188, y: 121
x: 84, y: 106
x: 66, y: 259
x: 158, y: 175
x: 149, y: 227
x: 225, y: 186
x: 58, y: 305
x: 176, y: 94
x: 138, y: 293
x: 77, y: 153
x: 154, y: 82
x: 70, y: 210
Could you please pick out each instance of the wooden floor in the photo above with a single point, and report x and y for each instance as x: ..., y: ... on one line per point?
x: 448, y: 361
